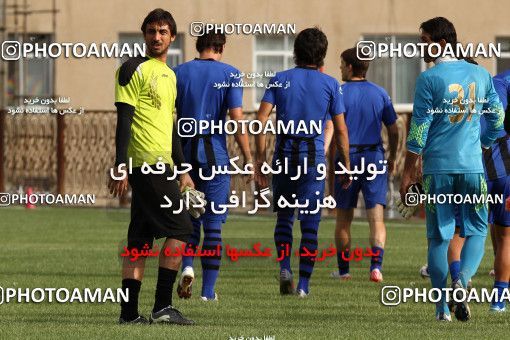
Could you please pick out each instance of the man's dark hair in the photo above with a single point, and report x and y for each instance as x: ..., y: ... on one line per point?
x: 440, y: 28
x: 359, y: 67
x: 310, y: 47
x: 160, y: 16
x: 216, y: 41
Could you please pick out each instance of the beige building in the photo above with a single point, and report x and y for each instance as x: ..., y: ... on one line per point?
x: 89, y: 82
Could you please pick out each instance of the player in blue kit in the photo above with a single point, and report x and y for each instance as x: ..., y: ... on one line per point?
x: 367, y: 107
x: 447, y: 107
x: 497, y: 171
x: 198, y: 98
x: 311, y: 96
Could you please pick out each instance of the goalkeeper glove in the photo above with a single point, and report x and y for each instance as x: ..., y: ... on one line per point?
x: 408, y: 211
x: 194, y: 198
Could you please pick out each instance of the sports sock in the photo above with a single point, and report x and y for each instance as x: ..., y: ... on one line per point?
x: 470, y: 257
x: 211, y: 264
x: 454, y: 270
x: 500, y: 286
x: 194, y: 241
x: 438, y: 269
x: 129, y: 309
x: 376, y: 261
x: 283, y: 237
x: 164, y: 288
x: 309, y: 231
x: 343, y: 265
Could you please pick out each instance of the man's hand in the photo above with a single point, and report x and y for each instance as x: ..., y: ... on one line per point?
x: 185, y: 181
x: 345, y: 181
x: 117, y: 187
x: 260, y: 178
x: 250, y: 177
x: 404, y: 186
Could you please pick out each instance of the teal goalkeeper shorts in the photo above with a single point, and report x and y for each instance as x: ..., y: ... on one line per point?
x: 472, y: 213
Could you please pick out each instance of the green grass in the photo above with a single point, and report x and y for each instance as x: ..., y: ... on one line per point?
x: 57, y: 247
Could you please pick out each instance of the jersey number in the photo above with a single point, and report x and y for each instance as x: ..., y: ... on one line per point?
x: 460, y: 103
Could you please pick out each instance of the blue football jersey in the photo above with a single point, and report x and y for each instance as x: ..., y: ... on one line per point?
x: 445, y: 124
x: 367, y: 106
x: 304, y: 95
x: 200, y: 97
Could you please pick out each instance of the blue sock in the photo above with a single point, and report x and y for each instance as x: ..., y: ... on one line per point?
x: 283, y: 237
x: 500, y: 286
x: 376, y: 261
x: 438, y: 269
x: 187, y: 261
x: 455, y: 270
x: 343, y: 265
x: 309, y: 231
x: 470, y: 257
x: 211, y: 264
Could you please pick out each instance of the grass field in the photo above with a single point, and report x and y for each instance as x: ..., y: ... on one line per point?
x: 64, y: 247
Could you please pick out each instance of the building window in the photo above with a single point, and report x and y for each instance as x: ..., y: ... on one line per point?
x: 29, y: 76
x: 175, y: 52
x: 396, y: 75
x: 503, y: 63
x: 272, y: 53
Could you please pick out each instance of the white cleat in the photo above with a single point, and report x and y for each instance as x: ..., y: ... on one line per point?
x: 492, y: 273
x: 301, y: 294
x: 185, y: 283
x: 444, y: 317
x: 424, y: 271
x: 203, y: 298
x: 343, y: 277
x: 376, y: 275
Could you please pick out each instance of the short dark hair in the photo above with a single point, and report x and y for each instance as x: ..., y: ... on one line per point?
x: 159, y: 15
x: 310, y: 47
x: 359, y: 67
x: 440, y: 28
x: 216, y: 41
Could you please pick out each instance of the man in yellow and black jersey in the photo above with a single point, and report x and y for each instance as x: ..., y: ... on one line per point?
x: 145, y: 92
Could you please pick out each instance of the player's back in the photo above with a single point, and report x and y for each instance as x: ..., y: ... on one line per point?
x: 205, y: 92
x: 457, y: 92
x: 367, y: 106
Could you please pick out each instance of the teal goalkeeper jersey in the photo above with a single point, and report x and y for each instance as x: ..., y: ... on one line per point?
x: 445, y: 126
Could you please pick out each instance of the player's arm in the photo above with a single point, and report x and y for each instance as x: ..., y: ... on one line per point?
x: 328, y: 135
x: 389, y: 118
x: 336, y: 111
x: 260, y: 143
x: 240, y: 137
x: 494, y: 115
x: 185, y: 180
x: 128, y: 83
x: 418, y: 132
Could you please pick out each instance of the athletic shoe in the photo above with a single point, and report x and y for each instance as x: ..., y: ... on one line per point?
x: 206, y: 299
x: 492, y: 273
x: 286, y: 283
x: 461, y: 308
x: 424, y: 271
x: 343, y: 277
x: 139, y: 320
x: 376, y: 275
x: 497, y: 308
x: 302, y: 294
x: 170, y: 315
x: 444, y: 317
x: 185, y: 282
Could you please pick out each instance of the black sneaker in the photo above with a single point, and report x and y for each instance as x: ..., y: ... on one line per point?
x: 170, y: 315
x: 286, y: 283
x: 139, y: 320
x: 461, y: 308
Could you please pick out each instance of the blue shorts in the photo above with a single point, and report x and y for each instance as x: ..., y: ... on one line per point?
x: 216, y: 190
x: 497, y: 213
x: 306, y: 187
x: 441, y: 216
x: 374, y: 191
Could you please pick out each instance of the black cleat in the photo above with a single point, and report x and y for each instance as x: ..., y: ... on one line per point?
x: 170, y: 315
x: 461, y: 308
x: 286, y: 283
x: 139, y: 320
